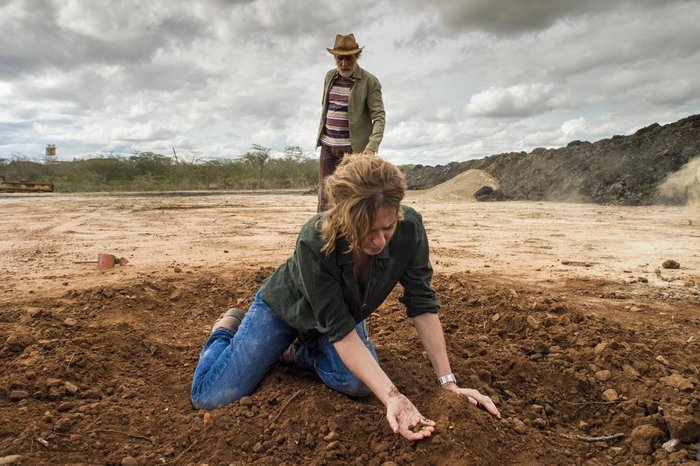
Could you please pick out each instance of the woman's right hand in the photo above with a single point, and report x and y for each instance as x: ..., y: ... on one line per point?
x: 405, y: 419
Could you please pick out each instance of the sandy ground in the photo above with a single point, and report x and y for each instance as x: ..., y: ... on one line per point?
x: 42, y: 237
x: 546, y: 307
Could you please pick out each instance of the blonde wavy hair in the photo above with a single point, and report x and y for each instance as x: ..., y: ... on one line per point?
x: 359, y: 187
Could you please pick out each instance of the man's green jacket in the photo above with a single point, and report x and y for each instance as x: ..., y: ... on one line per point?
x: 366, y: 115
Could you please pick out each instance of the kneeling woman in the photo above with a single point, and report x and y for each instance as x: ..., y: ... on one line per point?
x: 346, y: 262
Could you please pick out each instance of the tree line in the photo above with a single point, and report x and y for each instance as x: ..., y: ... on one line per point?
x: 148, y: 171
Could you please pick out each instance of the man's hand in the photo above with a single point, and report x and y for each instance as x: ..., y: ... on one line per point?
x: 475, y: 398
x: 367, y: 152
x: 405, y: 419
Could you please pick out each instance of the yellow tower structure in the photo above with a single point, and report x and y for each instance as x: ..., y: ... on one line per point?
x: 50, y: 153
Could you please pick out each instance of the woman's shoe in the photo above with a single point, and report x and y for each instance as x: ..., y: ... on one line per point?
x: 290, y: 353
x: 230, y: 319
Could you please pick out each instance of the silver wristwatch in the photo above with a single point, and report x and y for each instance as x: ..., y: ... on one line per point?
x: 446, y: 379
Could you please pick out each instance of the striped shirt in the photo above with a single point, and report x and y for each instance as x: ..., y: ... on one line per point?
x: 336, y: 131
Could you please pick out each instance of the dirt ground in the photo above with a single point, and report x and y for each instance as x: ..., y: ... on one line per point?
x: 563, y: 313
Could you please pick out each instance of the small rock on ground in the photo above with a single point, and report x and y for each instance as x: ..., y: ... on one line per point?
x: 610, y: 395
x: 670, y: 264
x: 645, y: 439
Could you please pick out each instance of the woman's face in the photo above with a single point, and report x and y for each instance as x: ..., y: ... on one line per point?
x: 382, y: 230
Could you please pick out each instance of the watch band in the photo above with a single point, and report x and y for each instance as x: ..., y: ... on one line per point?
x: 446, y: 379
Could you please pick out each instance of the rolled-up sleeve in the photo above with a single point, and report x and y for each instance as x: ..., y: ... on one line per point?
x: 419, y: 297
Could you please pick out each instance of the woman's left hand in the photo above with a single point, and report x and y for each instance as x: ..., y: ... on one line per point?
x: 475, y: 398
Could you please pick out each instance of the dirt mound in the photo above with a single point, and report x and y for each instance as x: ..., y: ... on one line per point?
x: 460, y: 188
x: 624, y: 170
x: 102, y: 376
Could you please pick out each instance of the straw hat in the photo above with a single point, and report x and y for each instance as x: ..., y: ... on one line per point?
x: 345, y: 45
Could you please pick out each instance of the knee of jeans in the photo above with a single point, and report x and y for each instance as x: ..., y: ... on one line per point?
x: 355, y: 388
x: 202, y: 403
x: 209, y: 401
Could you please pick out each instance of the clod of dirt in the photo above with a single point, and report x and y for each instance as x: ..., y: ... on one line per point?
x: 129, y: 461
x: 380, y: 447
x: 682, y: 426
x: 600, y: 347
x: 670, y: 264
x: 66, y: 406
x: 63, y: 425
x: 676, y: 380
x: 17, y: 395
x: 70, y: 388
x: 17, y: 342
x: 11, y: 459
x: 51, y: 382
x: 630, y: 371
x: 415, y: 428
x: 539, y: 409
x: 540, y: 423
x: 70, y: 322
x: 534, y: 323
x: 334, y: 445
x: 646, y: 438
x: 519, y: 426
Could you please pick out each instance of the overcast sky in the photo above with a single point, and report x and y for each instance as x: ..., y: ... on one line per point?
x: 462, y: 79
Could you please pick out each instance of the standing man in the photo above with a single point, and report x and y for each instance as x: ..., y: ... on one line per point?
x: 352, y: 119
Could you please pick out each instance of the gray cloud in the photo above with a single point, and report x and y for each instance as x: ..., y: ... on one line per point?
x: 39, y: 35
x: 518, y: 100
x: 461, y: 79
x: 506, y: 17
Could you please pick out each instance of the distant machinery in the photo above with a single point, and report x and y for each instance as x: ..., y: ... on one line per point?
x: 24, y: 186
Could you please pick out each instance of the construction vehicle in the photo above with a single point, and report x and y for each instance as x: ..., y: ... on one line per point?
x: 24, y: 186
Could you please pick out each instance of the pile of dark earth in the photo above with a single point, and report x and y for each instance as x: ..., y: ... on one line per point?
x: 624, y: 170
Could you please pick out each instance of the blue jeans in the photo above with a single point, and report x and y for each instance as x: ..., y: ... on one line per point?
x: 232, y: 364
